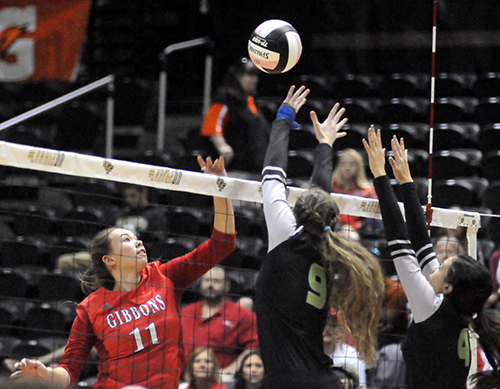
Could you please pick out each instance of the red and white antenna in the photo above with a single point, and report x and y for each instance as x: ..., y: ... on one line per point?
x: 428, y: 213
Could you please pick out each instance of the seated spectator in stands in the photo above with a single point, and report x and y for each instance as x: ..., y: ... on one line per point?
x: 349, y: 380
x: 219, y: 323
x: 448, y: 246
x: 233, y: 123
x: 146, y: 221
x: 202, y: 371
x: 343, y: 355
x: 250, y: 375
x: 349, y: 177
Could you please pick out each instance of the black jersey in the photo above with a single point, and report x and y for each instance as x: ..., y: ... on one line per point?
x: 436, y: 348
x: 291, y: 291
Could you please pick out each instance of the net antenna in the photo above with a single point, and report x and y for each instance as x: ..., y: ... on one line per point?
x: 428, y: 208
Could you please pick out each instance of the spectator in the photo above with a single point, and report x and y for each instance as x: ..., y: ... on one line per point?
x: 217, y: 322
x: 131, y: 314
x: 236, y: 128
x: 146, y: 221
x: 448, y: 246
x: 344, y: 356
x: 349, y: 177
x: 202, y: 371
x: 250, y: 375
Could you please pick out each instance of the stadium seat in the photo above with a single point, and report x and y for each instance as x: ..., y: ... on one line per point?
x: 491, y: 165
x: 487, y: 111
x: 187, y: 220
x: 57, y: 286
x: 30, y: 135
x: 6, y: 321
x: 399, y: 110
x: 418, y: 160
x: 303, y: 138
x: 13, y: 285
x: 172, y: 248
x: 300, y: 164
x: 487, y: 85
x: 462, y: 192
x: 7, y: 345
x: 82, y: 221
x: 354, y: 85
x: 359, y: 110
x: 355, y: 134
x: 450, y: 164
x: 23, y: 251
x: 320, y: 84
x: 414, y: 134
x: 453, y: 84
x: 454, y: 109
x: 491, y: 197
x: 312, y: 104
x: 455, y: 135
x: 45, y: 320
x: 34, y: 221
x: 400, y: 85
x: 489, y: 137
x: 28, y: 349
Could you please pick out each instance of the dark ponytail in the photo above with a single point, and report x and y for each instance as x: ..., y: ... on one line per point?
x: 487, y: 326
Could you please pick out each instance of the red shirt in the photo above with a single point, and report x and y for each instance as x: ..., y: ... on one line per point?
x: 369, y: 192
x: 231, y: 329
x: 138, y: 333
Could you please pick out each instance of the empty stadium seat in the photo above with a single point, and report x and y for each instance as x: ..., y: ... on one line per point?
x: 491, y: 197
x: 487, y: 111
x: 455, y: 135
x: 57, y: 286
x: 23, y: 251
x: 454, y: 109
x: 400, y: 85
x: 449, y: 164
x: 302, y: 138
x: 354, y: 85
x: 462, y: 192
x: 359, y: 110
x: 13, y: 285
x: 187, y: 221
x: 172, y: 248
x: 34, y: 221
x: 45, y: 320
x: 399, y: 110
x: 453, y: 84
x: 489, y: 137
x: 487, y: 85
x: 491, y: 165
x: 414, y: 134
x: 83, y: 221
x: 300, y: 163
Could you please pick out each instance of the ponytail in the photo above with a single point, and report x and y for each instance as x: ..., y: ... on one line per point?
x: 356, y: 285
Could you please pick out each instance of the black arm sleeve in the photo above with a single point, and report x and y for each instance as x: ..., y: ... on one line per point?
x: 394, y: 224
x: 416, y: 224
x: 323, y: 167
x: 277, y: 150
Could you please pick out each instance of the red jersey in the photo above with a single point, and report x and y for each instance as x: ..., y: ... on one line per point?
x: 138, y: 333
x: 230, y: 330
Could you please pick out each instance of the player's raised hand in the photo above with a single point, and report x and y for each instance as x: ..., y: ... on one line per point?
x: 296, y: 99
x: 399, y: 163
x: 216, y: 167
x: 328, y: 131
x: 375, y: 151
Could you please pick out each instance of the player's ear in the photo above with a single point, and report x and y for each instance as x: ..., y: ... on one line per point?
x: 447, y: 288
x: 108, y: 261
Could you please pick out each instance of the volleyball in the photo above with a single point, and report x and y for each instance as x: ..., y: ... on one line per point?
x: 275, y: 46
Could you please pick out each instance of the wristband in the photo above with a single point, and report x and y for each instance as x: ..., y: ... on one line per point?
x: 288, y: 113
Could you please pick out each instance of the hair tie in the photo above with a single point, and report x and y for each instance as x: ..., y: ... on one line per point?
x: 474, y: 316
x: 327, y: 228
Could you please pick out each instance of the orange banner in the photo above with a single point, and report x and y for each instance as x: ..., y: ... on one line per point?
x: 41, y: 39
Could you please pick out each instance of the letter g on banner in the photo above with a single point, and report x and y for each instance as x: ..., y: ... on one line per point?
x: 21, y: 51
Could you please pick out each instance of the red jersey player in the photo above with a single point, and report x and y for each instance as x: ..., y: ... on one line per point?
x: 131, y: 315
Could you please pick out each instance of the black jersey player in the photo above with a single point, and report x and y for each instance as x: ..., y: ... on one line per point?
x: 309, y: 268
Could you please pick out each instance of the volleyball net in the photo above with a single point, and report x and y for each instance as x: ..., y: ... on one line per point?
x: 52, y: 202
